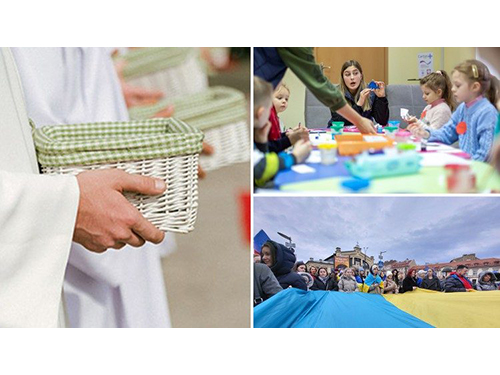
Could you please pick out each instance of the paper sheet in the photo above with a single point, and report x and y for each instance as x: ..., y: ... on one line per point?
x: 314, y: 157
x: 434, y: 146
x: 404, y: 113
x: 437, y: 159
x: 301, y: 168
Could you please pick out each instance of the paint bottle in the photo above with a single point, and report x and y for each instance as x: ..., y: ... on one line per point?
x: 461, y: 179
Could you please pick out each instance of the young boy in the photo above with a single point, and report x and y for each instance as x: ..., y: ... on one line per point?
x: 268, y: 164
x: 279, y: 141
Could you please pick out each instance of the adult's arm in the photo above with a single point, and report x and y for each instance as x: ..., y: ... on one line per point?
x: 450, y: 286
x: 302, y: 62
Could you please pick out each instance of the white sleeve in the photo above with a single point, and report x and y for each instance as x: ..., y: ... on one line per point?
x: 37, y: 218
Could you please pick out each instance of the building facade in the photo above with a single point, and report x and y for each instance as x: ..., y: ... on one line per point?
x: 343, y: 259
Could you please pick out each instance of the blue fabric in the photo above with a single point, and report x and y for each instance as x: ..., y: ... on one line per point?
x: 481, y: 120
x: 370, y: 279
x: 294, y: 308
x: 268, y: 65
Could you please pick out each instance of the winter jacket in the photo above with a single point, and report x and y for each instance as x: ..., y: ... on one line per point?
x: 318, y: 284
x: 347, y: 284
x: 454, y: 284
x: 482, y: 285
x: 332, y: 283
x: 379, y: 110
x: 408, y: 284
x: 432, y: 284
x: 284, y: 259
x: 265, y: 283
x: 268, y: 164
x: 390, y: 287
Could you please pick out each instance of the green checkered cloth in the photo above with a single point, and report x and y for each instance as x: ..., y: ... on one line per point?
x: 214, y: 107
x: 142, y: 61
x: 110, y: 142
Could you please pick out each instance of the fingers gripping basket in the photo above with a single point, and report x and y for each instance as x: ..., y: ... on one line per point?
x: 163, y: 148
x: 221, y: 113
x: 174, y: 71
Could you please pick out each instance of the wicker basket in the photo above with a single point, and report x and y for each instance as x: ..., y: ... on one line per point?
x: 221, y: 113
x: 161, y: 148
x: 174, y: 71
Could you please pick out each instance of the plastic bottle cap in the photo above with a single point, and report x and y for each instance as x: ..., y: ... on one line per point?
x: 327, y: 146
x: 406, y: 146
x: 391, y: 129
x: 355, y: 184
x: 457, y: 167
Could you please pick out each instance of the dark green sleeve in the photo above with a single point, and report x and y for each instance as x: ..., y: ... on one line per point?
x: 301, y: 61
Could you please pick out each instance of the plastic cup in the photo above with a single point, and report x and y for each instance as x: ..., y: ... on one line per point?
x: 337, y: 127
x: 328, y: 152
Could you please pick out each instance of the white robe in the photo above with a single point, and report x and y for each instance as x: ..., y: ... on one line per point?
x: 37, y: 217
x: 122, y: 288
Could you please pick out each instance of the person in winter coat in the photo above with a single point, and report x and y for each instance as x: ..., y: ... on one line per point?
x: 265, y: 283
x: 313, y: 271
x: 401, y: 277
x: 420, y: 276
x: 431, y: 282
x: 299, y: 267
x: 347, y: 282
x: 280, y: 260
x: 390, y: 286
x: 321, y: 280
x: 332, y: 283
x: 457, y: 282
x: 486, y: 281
x: 410, y: 281
x: 360, y: 277
x: 373, y: 283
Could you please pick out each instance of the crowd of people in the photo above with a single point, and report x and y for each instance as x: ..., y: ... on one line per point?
x: 281, y: 271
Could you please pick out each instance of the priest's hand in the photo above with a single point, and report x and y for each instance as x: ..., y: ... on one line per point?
x: 105, y: 218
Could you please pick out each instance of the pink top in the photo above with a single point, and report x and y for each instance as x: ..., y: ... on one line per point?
x: 436, y: 102
x: 472, y: 102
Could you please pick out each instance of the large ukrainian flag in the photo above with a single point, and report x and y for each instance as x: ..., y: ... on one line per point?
x: 294, y: 308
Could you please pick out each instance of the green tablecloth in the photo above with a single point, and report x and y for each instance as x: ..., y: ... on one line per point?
x: 430, y: 180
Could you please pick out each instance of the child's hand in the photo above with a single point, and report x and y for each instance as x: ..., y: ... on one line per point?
x: 297, y: 134
x: 260, y: 135
x: 410, y: 119
x: 380, y: 92
x: 301, y: 150
x: 362, y: 96
x: 418, y: 130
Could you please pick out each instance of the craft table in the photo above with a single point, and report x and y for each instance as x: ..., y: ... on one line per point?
x: 429, y: 180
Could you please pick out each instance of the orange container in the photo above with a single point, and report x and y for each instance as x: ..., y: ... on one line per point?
x: 355, y: 143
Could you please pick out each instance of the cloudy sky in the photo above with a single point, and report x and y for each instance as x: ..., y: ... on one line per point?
x: 427, y: 229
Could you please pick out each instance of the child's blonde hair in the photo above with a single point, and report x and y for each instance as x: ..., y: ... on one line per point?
x: 440, y: 80
x: 281, y: 86
x: 476, y: 71
x: 262, y: 94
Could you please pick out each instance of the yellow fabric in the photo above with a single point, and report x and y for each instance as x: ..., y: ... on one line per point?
x: 451, y: 310
x: 365, y: 288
